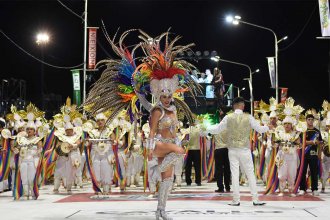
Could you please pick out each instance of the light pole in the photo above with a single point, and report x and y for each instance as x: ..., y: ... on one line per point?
x: 217, y: 59
x: 237, y: 19
x: 42, y: 40
x: 85, y: 50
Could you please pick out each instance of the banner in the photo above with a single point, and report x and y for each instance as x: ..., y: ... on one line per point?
x: 230, y: 94
x: 284, y: 94
x: 92, y: 47
x: 324, y: 17
x: 76, y: 87
x: 271, y: 68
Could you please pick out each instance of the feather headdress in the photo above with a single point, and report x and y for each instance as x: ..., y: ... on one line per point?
x: 166, y: 73
x: 124, y: 85
x: 114, y: 90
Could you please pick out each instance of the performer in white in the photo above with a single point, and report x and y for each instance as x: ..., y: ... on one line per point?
x: 287, y: 139
x: 178, y: 166
x: 123, y: 142
x: 102, y: 154
x: 67, y: 148
x: 326, y: 156
x: 326, y: 148
x: 135, y: 162
x: 4, y: 134
x: 270, y: 141
x: 30, y: 148
x: 19, y: 124
x: 239, y: 125
x: 69, y: 157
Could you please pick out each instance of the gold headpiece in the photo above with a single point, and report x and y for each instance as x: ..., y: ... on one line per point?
x: 312, y: 112
x: 69, y: 113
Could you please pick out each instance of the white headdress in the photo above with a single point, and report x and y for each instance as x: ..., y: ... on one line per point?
x: 69, y: 117
x: 100, y: 116
x: 292, y: 112
x: 326, y: 112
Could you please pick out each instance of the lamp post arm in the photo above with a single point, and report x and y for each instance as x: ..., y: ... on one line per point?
x: 232, y: 62
x: 258, y: 26
x: 276, y: 52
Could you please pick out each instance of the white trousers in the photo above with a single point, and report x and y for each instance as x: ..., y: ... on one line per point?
x: 102, y: 169
x: 288, y: 170
x: 65, y: 170
x: 122, y: 157
x: 243, y: 157
x: 28, y: 171
x: 134, y: 164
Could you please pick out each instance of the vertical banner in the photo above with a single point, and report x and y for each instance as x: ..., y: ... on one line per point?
x: 271, y: 68
x: 324, y: 17
x: 92, y: 47
x: 284, y: 94
x: 76, y: 87
x: 230, y: 94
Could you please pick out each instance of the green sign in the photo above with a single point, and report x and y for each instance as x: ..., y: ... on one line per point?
x: 76, y: 87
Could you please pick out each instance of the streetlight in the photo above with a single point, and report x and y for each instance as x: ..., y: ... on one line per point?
x: 217, y: 59
x: 42, y: 40
x: 237, y: 20
x: 239, y: 91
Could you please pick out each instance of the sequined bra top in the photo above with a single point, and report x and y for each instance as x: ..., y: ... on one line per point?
x: 167, y: 122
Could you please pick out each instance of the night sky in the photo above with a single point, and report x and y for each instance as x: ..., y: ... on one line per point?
x: 303, y: 60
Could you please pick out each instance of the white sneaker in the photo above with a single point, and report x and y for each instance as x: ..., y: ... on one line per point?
x: 292, y: 195
x: 281, y: 194
x: 316, y: 193
x: 302, y: 192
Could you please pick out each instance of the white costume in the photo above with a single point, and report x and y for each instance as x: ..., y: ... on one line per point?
x: 102, y: 156
x: 325, y: 160
x: 326, y: 148
x: 28, y: 161
x: 135, y: 163
x: 68, y: 161
x: 239, y: 126
x: 287, y: 158
x: 3, y: 136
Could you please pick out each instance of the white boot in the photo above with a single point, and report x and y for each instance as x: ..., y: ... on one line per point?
x: 128, y: 181
x: 26, y: 191
x: 106, y: 189
x: 57, y: 183
x: 132, y: 182
x: 79, y: 181
x: 164, y: 190
x: 68, y: 189
x: 137, y: 179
